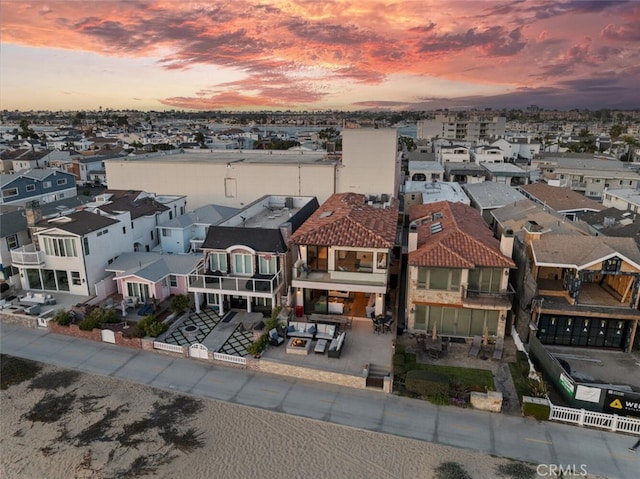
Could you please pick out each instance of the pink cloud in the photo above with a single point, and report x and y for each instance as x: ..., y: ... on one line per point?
x: 361, y: 43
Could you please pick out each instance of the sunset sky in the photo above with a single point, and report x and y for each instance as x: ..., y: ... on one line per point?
x: 318, y: 54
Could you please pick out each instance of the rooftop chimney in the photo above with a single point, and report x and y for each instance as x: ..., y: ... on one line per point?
x: 506, y: 242
x: 532, y: 231
x: 33, y: 213
x: 413, y: 237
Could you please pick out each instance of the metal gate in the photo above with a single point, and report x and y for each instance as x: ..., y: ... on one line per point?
x: 375, y: 382
x: 198, y: 351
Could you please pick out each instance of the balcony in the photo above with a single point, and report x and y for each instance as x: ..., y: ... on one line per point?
x: 27, y: 256
x: 334, y: 279
x: 258, y: 285
x: 488, y: 299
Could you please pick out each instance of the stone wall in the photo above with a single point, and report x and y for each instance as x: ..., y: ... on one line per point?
x: 299, y: 372
x: 16, y: 316
x: 490, y: 401
x: 75, y: 331
x: 95, y: 335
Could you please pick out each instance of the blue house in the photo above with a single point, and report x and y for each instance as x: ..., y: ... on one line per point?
x: 42, y: 185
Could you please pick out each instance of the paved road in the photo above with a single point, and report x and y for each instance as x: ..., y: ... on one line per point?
x: 601, y: 452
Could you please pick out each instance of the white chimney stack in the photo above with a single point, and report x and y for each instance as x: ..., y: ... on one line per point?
x: 506, y: 242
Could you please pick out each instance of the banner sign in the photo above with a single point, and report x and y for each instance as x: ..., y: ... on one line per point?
x: 567, y: 384
x: 622, y: 403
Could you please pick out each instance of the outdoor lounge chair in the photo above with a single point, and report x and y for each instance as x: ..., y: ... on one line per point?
x: 274, y: 338
x: 475, y: 346
x: 497, y: 350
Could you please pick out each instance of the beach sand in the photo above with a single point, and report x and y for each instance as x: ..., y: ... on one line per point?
x: 64, y: 424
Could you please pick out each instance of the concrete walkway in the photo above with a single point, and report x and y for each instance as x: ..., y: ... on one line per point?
x: 603, y: 453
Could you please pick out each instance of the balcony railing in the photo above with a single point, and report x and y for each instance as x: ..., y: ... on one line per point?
x: 27, y: 256
x: 210, y: 282
x: 498, y: 299
x: 365, y: 276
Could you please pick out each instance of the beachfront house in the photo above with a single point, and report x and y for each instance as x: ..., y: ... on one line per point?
x: 343, y: 256
x: 457, y: 273
x: 246, y: 261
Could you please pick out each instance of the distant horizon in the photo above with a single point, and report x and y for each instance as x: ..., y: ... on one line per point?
x: 487, y: 110
x: 345, y: 55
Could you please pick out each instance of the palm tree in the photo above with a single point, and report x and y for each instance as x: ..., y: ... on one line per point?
x: 630, y: 145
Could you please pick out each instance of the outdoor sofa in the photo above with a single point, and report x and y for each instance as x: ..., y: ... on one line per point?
x: 335, y: 348
x: 297, y: 329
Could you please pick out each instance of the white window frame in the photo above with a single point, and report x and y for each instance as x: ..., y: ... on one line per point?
x: 13, y: 240
x: 243, y: 264
x: 8, y: 193
x: 60, y: 247
x: 61, y: 181
x: 31, y: 187
x: 267, y: 264
x: 218, y: 262
x: 173, y: 281
x: 46, y: 184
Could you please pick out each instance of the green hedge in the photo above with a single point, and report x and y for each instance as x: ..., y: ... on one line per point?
x: 427, y: 383
x: 538, y: 411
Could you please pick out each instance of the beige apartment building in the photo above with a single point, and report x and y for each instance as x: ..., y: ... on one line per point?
x: 370, y: 165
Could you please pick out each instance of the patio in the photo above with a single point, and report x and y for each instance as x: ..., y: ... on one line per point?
x: 227, y: 334
x: 363, y: 346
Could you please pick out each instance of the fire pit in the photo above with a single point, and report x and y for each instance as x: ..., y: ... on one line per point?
x: 299, y: 346
x: 191, y: 331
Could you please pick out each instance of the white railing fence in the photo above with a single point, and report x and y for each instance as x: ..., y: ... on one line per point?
x: 230, y: 358
x: 601, y: 420
x: 174, y: 348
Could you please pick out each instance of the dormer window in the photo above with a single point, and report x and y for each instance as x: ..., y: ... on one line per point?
x: 611, y: 265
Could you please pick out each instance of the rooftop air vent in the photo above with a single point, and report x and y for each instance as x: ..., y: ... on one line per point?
x: 435, y: 228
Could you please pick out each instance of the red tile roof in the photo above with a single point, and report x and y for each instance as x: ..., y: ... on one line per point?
x: 346, y: 219
x: 465, y: 240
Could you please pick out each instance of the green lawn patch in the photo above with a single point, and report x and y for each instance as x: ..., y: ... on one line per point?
x: 461, y: 380
x: 519, y: 381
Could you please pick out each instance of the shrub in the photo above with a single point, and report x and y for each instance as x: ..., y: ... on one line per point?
x: 458, y: 390
x: 439, y: 399
x: 538, y: 411
x: 88, y: 324
x: 537, y: 387
x: 398, y: 363
x: 427, y: 383
x: 258, y: 345
x: 275, y: 312
x: 144, y: 322
x: 110, y: 316
x: 180, y: 303
x: 134, y: 332
x: 152, y: 326
x: 155, y: 329
x: 62, y: 317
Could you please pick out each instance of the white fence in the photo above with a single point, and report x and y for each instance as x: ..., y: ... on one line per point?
x: 229, y: 358
x: 174, y: 348
x: 583, y: 417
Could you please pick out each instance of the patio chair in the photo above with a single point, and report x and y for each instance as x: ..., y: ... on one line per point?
x: 388, y: 321
x: 274, y: 338
x: 475, y: 346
